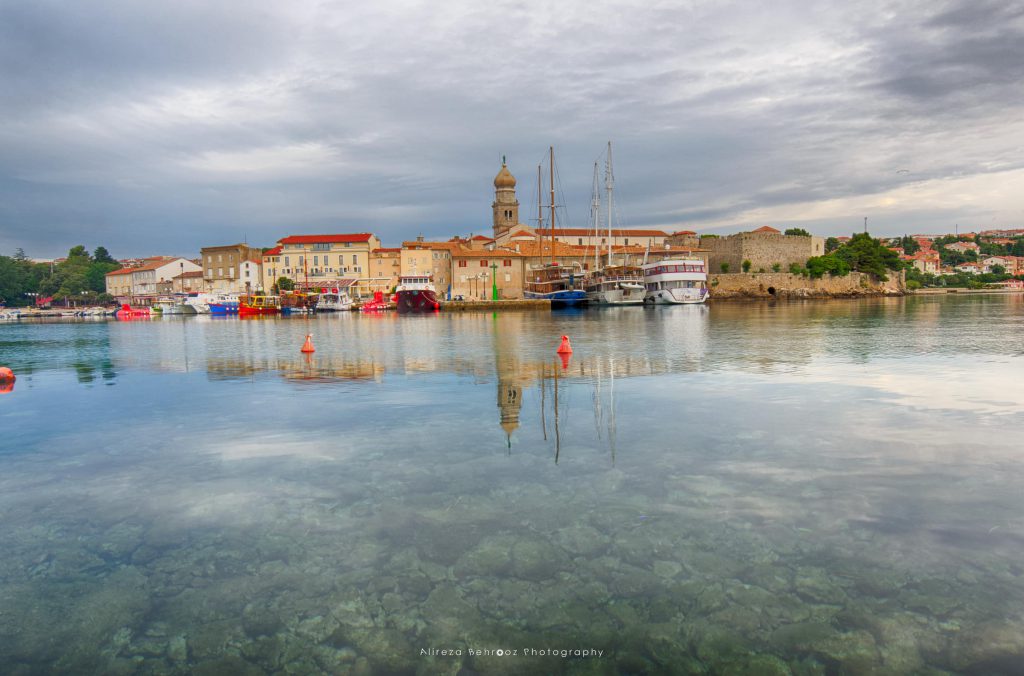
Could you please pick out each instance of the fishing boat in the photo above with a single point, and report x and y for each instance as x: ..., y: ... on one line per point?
x: 334, y: 300
x: 175, y: 306
x: 416, y: 293
x: 554, y: 281
x: 258, y: 305
x: 611, y: 284
x: 676, y: 281
x: 222, y: 304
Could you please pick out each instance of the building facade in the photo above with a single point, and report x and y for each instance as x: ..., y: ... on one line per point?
x: 323, y: 261
x: 385, y: 268
x: 222, y: 267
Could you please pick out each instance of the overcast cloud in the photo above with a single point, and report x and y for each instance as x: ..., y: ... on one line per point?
x: 164, y: 127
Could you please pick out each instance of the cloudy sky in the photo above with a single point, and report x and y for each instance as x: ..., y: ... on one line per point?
x: 161, y: 127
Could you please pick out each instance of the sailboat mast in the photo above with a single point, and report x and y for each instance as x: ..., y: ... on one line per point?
x: 609, y: 179
x: 551, y: 161
x: 595, y: 214
x: 540, y: 218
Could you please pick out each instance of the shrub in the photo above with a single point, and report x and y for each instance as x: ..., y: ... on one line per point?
x: 725, y: 267
x: 830, y: 263
x: 913, y: 285
x: 746, y: 265
x: 776, y: 267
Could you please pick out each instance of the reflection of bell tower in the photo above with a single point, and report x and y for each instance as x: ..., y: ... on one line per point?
x: 510, y: 400
x: 506, y: 206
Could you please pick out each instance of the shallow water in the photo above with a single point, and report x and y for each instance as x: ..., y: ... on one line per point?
x: 806, y: 488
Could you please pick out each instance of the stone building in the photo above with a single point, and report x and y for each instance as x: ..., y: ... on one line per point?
x: 764, y: 248
x: 222, y: 267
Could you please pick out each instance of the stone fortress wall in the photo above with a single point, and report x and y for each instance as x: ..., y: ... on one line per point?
x: 762, y: 249
x: 786, y: 285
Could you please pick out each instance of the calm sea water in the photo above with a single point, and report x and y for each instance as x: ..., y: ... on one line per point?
x: 819, y: 488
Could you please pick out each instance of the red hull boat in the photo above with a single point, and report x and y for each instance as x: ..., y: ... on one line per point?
x: 259, y: 305
x: 416, y: 294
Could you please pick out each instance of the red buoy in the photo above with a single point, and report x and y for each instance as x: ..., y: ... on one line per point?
x: 6, y: 373
x: 565, y: 347
x: 6, y: 380
x: 307, y: 347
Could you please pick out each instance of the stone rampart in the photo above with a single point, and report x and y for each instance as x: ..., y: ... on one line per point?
x: 786, y: 285
x: 762, y: 249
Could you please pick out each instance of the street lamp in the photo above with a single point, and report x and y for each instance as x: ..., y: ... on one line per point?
x: 494, y: 280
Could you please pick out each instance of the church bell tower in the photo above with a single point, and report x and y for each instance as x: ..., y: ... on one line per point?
x: 506, y: 206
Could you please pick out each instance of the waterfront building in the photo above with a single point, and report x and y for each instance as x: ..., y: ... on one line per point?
x: 222, y: 267
x: 420, y: 257
x: 145, y: 282
x: 763, y: 247
x: 324, y: 261
x: 385, y: 267
x: 925, y: 260
x: 188, y: 282
x: 477, y: 271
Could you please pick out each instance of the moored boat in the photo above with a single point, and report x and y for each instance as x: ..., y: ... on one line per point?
x: 556, y: 283
x: 259, y: 305
x: 676, y: 281
x: 298, y: 303
x: 334, y: 300
x: 616, y: 285
x: 416, y: 294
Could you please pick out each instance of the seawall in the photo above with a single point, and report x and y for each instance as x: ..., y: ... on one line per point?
x: 487, y: 305
x: 766, y: 285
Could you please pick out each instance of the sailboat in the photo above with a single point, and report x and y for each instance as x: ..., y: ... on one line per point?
x: 552, y: 281
x: 611, y: 284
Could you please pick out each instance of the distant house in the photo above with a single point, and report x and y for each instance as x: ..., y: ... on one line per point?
x: 963, y: 247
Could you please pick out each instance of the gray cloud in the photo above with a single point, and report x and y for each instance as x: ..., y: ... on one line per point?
x: 164, y: 128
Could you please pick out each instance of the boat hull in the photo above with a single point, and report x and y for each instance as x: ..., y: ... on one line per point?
x: 616, y: 297
x: 223, y: 308
x: 416, y: 301
x: 565, y: 298
x: 677, y: 297
x: 246, y: 311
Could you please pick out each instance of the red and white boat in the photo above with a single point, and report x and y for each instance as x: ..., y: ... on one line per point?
x: 129, y: 312
x: 416, y: 294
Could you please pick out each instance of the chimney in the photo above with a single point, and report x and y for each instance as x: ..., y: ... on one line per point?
x: 419, y: 238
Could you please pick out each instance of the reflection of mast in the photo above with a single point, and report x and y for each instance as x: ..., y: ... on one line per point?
x: 543, y: 422
x: 611, y: 417
x: 558, y: 438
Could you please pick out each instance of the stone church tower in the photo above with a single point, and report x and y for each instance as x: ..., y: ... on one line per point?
x: 506, y: 206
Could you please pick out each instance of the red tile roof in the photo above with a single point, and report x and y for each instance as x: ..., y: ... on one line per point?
x: 482, y: 238
x: 768, y: 229
x: 621, y: 232
x: 272, y: 252
x: 190, y: 274
x: 387, y: 250
x: 122, y: 271
x: 326, y: 239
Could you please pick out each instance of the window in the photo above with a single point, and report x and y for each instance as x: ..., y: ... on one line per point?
x: 300, y: 260
x: 348, y: 245
x: 286, y: 261
x: 231, y: 272
x: 483, y: 263
x: 462, y: 264
x: 355, y: 258
x: 507, y: 263
x: 220, y: 258
x: 316, y: 260
x: 209, y: 272
x: 358, y: 268
x: 627, y: 241
x: 580, y: 241
x: 508, y: 277
x: 220, y: 272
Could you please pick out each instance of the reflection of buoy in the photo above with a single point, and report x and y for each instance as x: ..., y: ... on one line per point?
x: 565, y: 347
x: 565, y: 357
x: 307, y: 347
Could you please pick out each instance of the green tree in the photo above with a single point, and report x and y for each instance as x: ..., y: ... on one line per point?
x: 1018, y: 247
x: 831, y: 244
x: 866, y: 254
x: 910, y: 245
x: 101, y: 255
x: 998, y: 270
x: 776, y: 267
x: 285, y: 284
x: 725, y: 267
x: 799, y: 232
x: 830, y: 263
x: 746, y: 265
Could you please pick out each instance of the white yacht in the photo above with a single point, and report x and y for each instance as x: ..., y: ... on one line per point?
x: 335, y: 300
x: 676, y: 281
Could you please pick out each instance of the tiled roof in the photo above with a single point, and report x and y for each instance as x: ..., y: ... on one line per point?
x: 767, y: 229
x: 620, y: 232
x: 325, y: 239
x: 684, y: 232
x: 273, y: 252
x: 190, y: 274
x: 479, y: 238
x: 122, y: 271
x: 387, y: 250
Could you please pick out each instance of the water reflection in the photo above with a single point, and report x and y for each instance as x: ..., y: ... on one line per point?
x: 744, y: 489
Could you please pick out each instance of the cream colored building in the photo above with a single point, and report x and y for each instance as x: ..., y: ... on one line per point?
x: 323, y: 261
x: 147, y: 281
x: 119, y: 283
x: 420, y: 257
x: 385, y: 267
